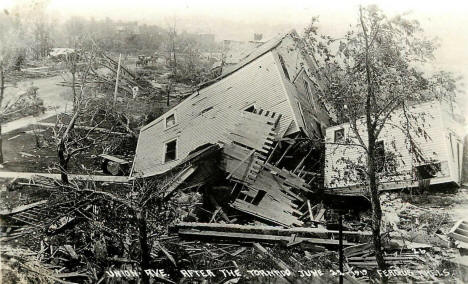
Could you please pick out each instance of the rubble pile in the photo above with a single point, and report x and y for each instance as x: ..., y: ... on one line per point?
x: 228, y: 205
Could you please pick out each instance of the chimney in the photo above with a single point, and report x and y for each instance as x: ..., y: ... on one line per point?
x: 258, y: 37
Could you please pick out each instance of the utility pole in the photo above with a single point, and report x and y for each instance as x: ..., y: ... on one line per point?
x: 117, y: 80
x: 340, y: 232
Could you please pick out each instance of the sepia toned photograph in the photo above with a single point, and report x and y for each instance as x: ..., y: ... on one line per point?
x: 233, y: 142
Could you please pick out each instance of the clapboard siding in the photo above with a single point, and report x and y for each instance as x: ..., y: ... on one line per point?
x: 306, y: 110
x: 209, y: 114
x: 430, y: 135
x: 455, y: 143
x: 206, y: 116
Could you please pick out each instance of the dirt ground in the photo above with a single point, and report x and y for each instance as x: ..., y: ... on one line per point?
x: 30, y: 150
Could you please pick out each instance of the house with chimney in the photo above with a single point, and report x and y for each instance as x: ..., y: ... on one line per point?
x: 255, y: 123
x: 277, y: 78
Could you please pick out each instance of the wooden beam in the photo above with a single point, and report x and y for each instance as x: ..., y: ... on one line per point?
x: 279, y: 263
x: 246, y: 237
x: 284, y: 154
x: 310, y: 210
x: 302, y: 161
x: 177, y: 181
x: 265, y: 229
x: 117, y: 80
x: 320, y: 214
x: 218, y: 209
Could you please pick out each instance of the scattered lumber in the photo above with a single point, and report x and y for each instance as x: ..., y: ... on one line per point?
x: 245, y: 237
x: 264, y: 229
x: 177, y: 181
x: 91, y: 128
x: 265, y: 191
x: 459, y: 231
x: 357, y: 249
x: 246, y: 233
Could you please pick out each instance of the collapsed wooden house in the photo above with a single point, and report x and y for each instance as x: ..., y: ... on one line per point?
x: 417, y: 148
x: 253, y: 111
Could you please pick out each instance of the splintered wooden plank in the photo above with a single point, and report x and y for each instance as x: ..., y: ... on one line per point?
x: 463, y: 226
x: 23, y: 220
x: 357, y: 249
x: 289, y: 178
x: 22, y: 208
x: 241, y: 163
x: 458, y: 232
x: 273, y: 215
x: 279, y: 263
x: 248, y: 237
x: 272, y: 230
x: 459, y: 237
x: 461, y: 232
x: 178, y: 180
x: 320, y: 214
x: 253, y: 130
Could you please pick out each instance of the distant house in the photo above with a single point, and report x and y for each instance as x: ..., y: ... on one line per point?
x: 277, y: 78
x: 235, y: 51
x: 61, y: 53
x: 434, y: 157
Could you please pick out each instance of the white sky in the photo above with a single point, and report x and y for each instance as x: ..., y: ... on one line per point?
x: 445, y: 19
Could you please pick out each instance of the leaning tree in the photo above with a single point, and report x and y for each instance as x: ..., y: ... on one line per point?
x: 376, y: 69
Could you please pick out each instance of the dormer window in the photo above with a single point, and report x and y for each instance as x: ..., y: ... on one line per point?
x: 251, y: 109
x: 170, y: 120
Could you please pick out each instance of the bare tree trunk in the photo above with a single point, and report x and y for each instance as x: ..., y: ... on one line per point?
x: 62, y: 148
x: 174, y: 54
x: 2, y: 88
x: 75, y: 99
x: 1, y: 143
x: 63, y: 163
x: 168, y: 97
x: 144, y: 247
x: 372, y: 178
x: 376, y: 208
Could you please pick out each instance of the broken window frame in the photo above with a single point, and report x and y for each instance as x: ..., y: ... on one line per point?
x: 165, y: 154
x: 432, y: 169
x: 166, y: 119
x: 337, y: 139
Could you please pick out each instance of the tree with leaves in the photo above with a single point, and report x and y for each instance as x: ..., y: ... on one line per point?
x: 373, y: 71
x: 12, y: 48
